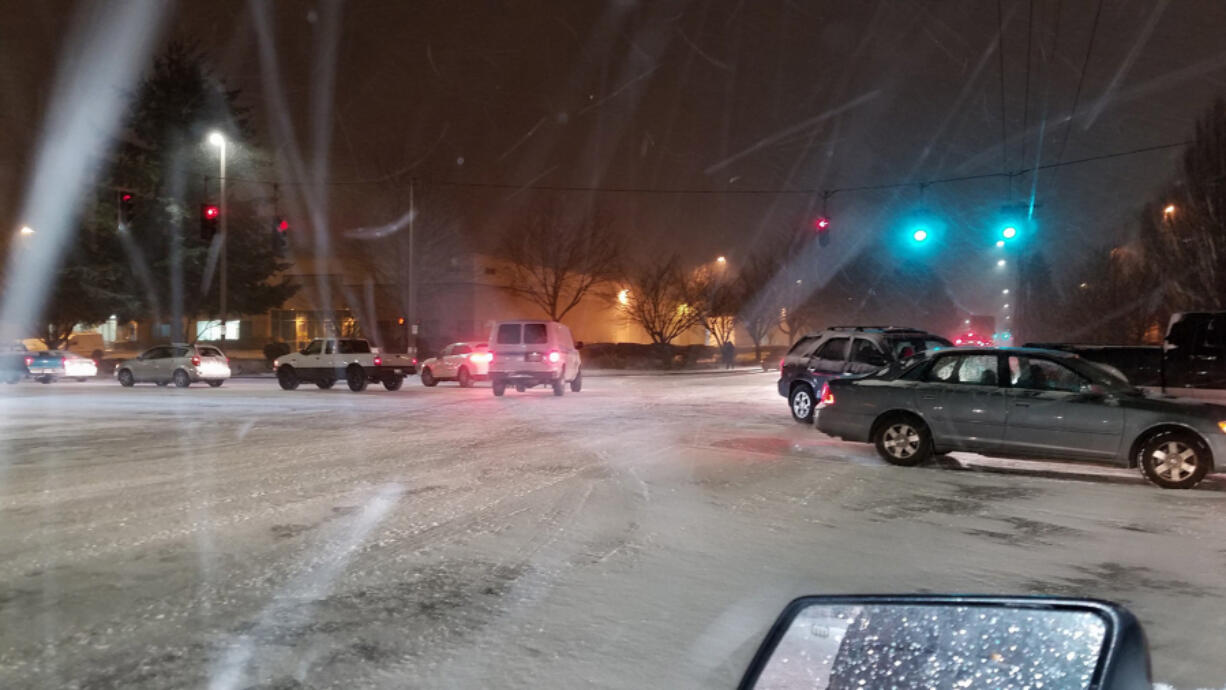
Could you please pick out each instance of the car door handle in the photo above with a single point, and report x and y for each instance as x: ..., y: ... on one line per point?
x: 1020, y: 404
x: 928, y: 397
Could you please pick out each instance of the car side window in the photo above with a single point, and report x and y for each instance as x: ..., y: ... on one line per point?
x: 329, y: 348
x: 835, y: 350
x: 805, y: 346
x: 972, y: 370
x: 1037, y: 374
x: 183, y: 352
x: 314, y: 348
x: 865, y: 352
x: 461, y: 350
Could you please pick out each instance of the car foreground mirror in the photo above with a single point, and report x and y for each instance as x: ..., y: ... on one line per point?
x: 579, y: 345
x: 845, y: 642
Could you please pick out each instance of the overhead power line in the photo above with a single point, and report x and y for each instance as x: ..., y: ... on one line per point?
x: 1085, y: 62
x: 740, y: 192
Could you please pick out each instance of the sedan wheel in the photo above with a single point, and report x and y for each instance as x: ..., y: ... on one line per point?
x: 427, y: 378
x: 903, y: 441
x: 181, y: 379
x: 1174, y: 460
x: 465, y: 379
x: 125, y: 378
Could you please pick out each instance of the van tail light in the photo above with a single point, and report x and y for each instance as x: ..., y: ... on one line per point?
x: 481, y: 357
x: 378, y: 361
x: 827, y: 395
x: 195, y: 360
x: 555, y: 356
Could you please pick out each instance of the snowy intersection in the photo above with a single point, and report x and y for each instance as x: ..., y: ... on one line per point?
x: 642, y: 533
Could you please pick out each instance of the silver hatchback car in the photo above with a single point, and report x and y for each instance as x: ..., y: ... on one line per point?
x: 180, y: 364
x: 1020, y: 402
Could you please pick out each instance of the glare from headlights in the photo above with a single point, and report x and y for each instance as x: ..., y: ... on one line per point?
x: 1222, y: 426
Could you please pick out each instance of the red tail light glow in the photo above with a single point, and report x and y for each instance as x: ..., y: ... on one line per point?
x: 378, y: 361
x: 195, y: 360
x: 827, y: 395
x: 781, y: 363
x: 481, y: 356
x: 29, y: 361
x: 555, y: 356
x: 415, y: 360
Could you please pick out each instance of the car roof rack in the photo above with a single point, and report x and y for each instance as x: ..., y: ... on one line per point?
x: 883, y: 329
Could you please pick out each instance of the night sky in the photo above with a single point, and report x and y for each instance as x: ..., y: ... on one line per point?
x: 748, y: 95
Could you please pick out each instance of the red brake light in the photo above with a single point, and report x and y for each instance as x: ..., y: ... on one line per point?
x: 555, y: 356
x: 781, y: 363
x: 195, y: 360
x: 827, y: 395
x: 378, y: 361
x: 415, y: 360
x: 29, y: 361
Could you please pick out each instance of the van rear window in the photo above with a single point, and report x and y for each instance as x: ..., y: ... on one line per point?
x: 534, y: 334
x: 508, y: 334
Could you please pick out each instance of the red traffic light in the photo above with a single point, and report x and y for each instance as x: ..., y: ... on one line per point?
x: 211, y: 211
x: 821, y: 223
x: 283, y: 225
x: 126, y: 197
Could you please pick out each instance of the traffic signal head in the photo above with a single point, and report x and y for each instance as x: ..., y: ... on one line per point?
x: 210, y: 214
x: 127, y: 203
x: 1009, y: 232
x: 280, y: 235
x: 919, y: 235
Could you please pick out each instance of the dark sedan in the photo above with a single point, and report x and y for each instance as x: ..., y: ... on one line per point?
x: 1021, y: 402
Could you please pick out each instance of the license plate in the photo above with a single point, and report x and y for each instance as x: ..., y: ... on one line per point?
x: 398, y: 371
x: 532, y: 357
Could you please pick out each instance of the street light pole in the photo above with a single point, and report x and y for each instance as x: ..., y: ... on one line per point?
x: 219, y: 141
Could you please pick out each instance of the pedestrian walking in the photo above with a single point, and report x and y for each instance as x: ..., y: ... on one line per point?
x: 728, y: 352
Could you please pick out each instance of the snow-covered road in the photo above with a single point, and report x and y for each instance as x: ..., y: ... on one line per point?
x: 642, y: 533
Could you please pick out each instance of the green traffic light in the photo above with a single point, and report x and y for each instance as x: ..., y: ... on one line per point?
x: 919, y: 235
x: 1009, y: 232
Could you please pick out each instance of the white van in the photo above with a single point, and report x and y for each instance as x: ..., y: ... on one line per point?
x: 530, y: 353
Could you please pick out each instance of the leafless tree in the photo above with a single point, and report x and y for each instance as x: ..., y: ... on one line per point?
x: 658, y: 298
x: 557, y: 257
x: 760, y: 298
x: 715, y: 295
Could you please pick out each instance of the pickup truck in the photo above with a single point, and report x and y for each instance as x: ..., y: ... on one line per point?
x: 326, y: 360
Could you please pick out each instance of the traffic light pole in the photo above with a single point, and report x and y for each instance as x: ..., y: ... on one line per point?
x: 224, y: 216
x: 412, y: 325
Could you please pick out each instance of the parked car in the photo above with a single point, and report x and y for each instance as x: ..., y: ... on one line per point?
x: 1140, y: 364
x: 50, y: 365
x: 178, y: 363
x: 1020, y: 402
x: 460, y: 362
x: 845, y: 351
x: 14, y: 360
x: 324, y: 361
x: 534, y: 353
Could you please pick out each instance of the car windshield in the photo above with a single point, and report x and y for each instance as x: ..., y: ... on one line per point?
x: 562, y: 343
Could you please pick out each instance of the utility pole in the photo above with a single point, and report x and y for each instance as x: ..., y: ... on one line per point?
x: 412, y: 265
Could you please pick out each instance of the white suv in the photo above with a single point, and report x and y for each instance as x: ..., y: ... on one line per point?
x: 179, y: 363
x: 534, y: 353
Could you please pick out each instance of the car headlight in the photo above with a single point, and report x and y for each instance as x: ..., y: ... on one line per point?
x: 1222, y: 426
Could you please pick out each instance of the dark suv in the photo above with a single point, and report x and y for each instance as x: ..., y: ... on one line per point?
x: 845, y: 351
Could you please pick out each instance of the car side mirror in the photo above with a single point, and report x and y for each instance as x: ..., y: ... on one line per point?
x: 923, y: 641
x: 578, y: 344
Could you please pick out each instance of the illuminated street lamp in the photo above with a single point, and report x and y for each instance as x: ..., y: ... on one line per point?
x: 721, y: 261
x: 26, y: 230
x: 216, y: 139
x: 1000, y: 243
x: 1005, y: 291
x: 623, y: 297
x: 1169, y: 210
x: 1000, y: 263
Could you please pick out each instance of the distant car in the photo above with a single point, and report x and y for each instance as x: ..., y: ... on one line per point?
x: 178, y: 363
x: 460, y: 362
x: 1019, y: 402
x: 50, y: 365
x: 845, y: 351
x: 534, y: 353
x: 14, y: 360
x: 324, y: 361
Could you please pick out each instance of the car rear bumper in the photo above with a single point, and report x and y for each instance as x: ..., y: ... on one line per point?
x: 849, y: 427
x: 207, y: 372
x: 525, y: 376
